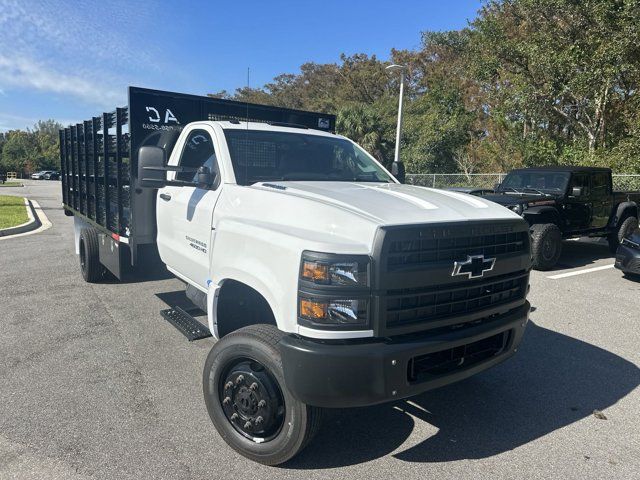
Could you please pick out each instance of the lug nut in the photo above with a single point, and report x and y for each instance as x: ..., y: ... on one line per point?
x: 234, y: 416
x: 253, y: 386
x: 226, y: 400
x: 262, y: 404
x: 247, y: 425
x: 240, y: 379
x: 228, y: 385
x: 259, y: 420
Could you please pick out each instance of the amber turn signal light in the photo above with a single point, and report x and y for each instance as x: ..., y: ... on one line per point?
x: 314, y: 271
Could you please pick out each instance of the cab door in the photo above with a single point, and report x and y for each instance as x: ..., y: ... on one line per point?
x: 185, y: 213
x: 578, y: 208
x: 601, y: 193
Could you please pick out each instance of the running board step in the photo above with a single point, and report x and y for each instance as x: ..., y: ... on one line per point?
x: 185, y: 323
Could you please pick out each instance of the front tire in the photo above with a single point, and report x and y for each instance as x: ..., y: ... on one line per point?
x: 627, y: 226
x: 248, y: 401
x: 546, y: 245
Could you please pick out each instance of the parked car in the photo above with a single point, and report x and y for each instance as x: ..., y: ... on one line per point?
x: 628, y: 254
x: 52, y: 175
x: 41, y: 175
x: 478, y: 192
x: 567, y: 202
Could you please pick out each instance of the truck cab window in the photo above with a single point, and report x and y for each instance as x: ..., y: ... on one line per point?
x: 600, y: 183
x: 261, y: 156
x: 197, y: 152
x: 581, y: 180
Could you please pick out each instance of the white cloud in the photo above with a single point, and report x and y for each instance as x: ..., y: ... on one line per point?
x: 18, y: 122
x: 25, y: 73
x: 83, y: 50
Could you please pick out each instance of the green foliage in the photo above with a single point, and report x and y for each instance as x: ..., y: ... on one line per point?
x: 31, y: 150
x: 529, y: 82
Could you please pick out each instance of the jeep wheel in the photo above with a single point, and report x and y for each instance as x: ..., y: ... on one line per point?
x: 625, y: 227
x: 546, y: 245
x: 248, y: 401
x: 90, y: 266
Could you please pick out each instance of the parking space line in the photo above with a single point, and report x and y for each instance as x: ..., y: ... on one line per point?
x: 580, y: 272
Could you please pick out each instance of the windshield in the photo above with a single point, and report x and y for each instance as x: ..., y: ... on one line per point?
x: 263, y: 156
x: 535, y: 182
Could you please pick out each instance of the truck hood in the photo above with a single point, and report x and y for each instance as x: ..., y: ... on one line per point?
x: 391, y: 203
x: 508, y: 199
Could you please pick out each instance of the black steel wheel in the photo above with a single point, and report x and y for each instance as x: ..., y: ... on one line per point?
x: 248, y: 401
x: 251, y: 400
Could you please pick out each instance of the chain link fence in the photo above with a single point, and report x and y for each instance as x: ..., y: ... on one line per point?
x: 489, y: 180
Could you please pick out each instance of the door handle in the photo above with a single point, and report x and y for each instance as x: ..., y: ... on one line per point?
x: 165, y: 196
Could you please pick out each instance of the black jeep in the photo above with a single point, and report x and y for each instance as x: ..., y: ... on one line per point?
x: 566, y: 202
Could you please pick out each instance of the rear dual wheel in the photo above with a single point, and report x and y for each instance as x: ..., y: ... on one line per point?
x: 90, y: 266
x: 248, y: 401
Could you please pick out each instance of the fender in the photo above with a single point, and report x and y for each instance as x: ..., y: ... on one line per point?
x: 620, y: 210
x: 546, y: 211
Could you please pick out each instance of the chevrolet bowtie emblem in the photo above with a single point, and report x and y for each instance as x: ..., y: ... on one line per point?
x: 474, y: 266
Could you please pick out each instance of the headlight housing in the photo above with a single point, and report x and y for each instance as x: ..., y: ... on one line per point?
x: 334, y: 291
x: 519, y: 208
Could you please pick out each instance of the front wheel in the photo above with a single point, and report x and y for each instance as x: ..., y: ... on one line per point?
x: 546, y: 245
x: 248, y: 401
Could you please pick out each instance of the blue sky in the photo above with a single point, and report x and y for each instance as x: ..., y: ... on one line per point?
x: 71, y: 60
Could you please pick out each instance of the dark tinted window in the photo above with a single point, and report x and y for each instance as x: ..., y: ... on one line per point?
x: 259, y: 156
x: 600, y: 183
x: 531, y: 180
x: 581, y: 180
x: 197, y: 152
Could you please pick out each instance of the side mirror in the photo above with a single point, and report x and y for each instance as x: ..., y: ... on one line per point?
x: 576, y: 191
x: 397, y: 170
x: 205, y: 177
x: 151, y: 169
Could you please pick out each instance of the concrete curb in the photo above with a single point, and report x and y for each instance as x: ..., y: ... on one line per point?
x: 38, y: 222
x: 27, y: 226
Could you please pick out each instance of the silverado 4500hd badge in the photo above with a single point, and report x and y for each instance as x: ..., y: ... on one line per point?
x: 196, y: 244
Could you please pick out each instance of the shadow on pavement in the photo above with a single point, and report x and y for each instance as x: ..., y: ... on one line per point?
x: 581, y: 254
x: 553, y: 381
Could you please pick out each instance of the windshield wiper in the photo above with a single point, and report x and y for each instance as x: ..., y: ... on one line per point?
x: 536, y: 190
x: 513, y: 189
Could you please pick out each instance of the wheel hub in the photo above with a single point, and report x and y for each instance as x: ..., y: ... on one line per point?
x: 252, y: 401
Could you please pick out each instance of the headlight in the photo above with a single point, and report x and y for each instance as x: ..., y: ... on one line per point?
x: 519, y: 208
x: 324, y: 269
x: 334, y: 312
x: 333, y: 291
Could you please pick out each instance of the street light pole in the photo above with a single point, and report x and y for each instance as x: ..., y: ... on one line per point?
x: 401, y: 69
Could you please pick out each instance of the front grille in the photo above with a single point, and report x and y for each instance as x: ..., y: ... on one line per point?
x: 424, y: 250
x: 423, y: 305
x: 426, y: 367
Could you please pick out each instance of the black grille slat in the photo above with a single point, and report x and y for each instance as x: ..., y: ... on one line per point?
x: 424, y: 251
x: 411, y: 306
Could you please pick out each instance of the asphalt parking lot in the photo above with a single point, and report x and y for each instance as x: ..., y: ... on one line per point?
x: 95, y: 384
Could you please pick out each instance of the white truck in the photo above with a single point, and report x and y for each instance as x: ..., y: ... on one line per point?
x: 326, y: 282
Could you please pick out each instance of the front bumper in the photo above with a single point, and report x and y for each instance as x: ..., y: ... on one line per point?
x: 628, y: 259
x: 359, y: 373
